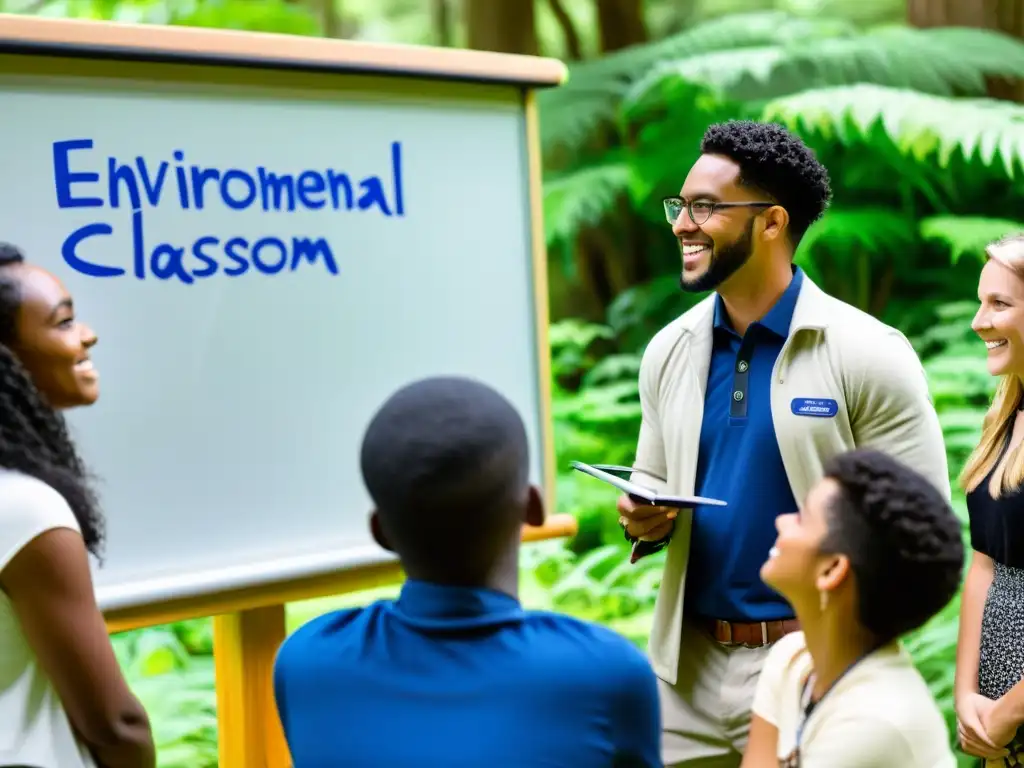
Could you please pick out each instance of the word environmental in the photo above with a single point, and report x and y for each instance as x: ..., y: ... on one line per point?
x: 144, y: 186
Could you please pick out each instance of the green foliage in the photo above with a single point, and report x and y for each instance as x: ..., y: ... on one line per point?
x: 248, y: 15
x: 921, y: 126
x: 926, y: 172
x: 595, y: 88
x: 829, y: 53
x: 967, y: 235
x: 170, y: 669
x: 583, y: 197
x: 265, y: 16
x: 758, y: 56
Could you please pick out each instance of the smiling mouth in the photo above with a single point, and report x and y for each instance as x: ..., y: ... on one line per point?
x: 693, y: 253
x: 990, y: 345
x: 694, y: 249
x: 85, y: 366
x: 773, y: 552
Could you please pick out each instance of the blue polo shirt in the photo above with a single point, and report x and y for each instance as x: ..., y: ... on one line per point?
x: 739, y: 462
x: 457, y: 677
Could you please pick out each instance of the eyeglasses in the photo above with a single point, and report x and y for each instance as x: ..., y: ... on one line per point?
x: 701, y: 210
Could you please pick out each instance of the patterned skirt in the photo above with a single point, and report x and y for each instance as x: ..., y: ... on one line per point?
x: 1001, y: 661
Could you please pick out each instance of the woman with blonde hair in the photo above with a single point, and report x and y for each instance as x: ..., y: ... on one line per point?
x: 990, y: 653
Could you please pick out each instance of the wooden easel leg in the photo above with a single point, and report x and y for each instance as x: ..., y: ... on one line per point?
x: 249, y: 731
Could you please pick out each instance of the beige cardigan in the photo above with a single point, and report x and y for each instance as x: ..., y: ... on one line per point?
x: 833, y: 351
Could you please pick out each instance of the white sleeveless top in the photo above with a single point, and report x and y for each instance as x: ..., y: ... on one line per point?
x: 34, y: 730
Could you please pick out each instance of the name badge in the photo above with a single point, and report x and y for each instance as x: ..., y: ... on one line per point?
x: 812, y: 406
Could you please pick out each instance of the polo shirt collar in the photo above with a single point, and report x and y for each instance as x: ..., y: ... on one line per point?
x: 779, y: 318
x: 440, y: 606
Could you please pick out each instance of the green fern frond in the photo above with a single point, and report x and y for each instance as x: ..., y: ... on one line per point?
x: 944, y: 62
x: 845, y: 231
x: 967, y: 235
x: 583, y: 197
x: 864, y: 13
x: 732, y: 32
x: 922, y: 126
x: 594, y: 89
x: 841, y: 237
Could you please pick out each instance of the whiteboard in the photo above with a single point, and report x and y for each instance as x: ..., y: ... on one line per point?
x: 234, y: 398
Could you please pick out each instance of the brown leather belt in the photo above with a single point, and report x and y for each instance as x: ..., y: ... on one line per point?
x: 752, y: 634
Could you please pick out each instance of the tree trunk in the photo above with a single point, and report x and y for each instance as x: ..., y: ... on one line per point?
x: 620, y: 24
x: 573, y: 48
x: 441, y: 21
x: 613, y: 256
x: 329, y: 14
x: 330, y: 18
x: 504, y: 26
x: 1002, y: 15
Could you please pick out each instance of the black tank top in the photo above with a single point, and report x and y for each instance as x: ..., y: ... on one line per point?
x: 997, y: 525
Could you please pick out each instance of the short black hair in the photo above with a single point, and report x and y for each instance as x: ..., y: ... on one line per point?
x: 776, y: 162
x: 904, y: 542
x: 446, y: 462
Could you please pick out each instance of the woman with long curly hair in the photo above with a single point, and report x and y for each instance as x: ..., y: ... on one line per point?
x: 64, y: 702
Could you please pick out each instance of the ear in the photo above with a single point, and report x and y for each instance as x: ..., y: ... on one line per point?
x: 833, y: 574
x: 534, y: 508
x: 378, y: 532
x: 776, y: 219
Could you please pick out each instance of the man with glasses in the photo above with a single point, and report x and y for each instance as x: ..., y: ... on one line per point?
x: 745, y: 397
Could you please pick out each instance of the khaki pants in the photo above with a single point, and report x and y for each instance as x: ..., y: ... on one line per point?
x: 706, y: 714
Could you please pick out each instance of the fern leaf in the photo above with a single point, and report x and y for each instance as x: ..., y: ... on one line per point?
x: 838, y: 240
x: 863, y: 13
x: 944, y: 62
x: 594, y: 89
x: 583, y: 197
x: 844, y: 232
x: 966, y: 235
x: 922, y: 126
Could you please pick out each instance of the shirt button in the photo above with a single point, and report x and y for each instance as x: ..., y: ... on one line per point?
x: 737, y: 395
x: 742, y: 366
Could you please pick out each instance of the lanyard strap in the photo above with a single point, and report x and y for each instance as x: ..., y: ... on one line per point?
x: 807, y: 706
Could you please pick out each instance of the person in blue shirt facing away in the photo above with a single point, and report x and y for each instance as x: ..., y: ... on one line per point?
x: 455, y: 672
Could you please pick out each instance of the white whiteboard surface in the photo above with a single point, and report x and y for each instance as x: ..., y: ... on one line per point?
x: 232, y: 409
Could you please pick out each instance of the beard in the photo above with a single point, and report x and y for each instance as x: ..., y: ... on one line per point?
x: 724, y: 263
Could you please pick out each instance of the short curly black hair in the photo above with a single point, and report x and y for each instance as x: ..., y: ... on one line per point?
x: 777, y: 163
x: 903, y: 540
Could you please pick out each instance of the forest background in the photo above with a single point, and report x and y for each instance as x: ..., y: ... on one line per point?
x: 915, y: 106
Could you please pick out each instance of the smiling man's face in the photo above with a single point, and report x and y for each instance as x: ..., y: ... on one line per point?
x: 719, y: 243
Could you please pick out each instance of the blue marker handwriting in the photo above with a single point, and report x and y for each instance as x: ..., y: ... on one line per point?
x: 141, y: 185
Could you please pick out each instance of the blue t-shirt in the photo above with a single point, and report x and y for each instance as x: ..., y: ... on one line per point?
x: 453, y: 676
